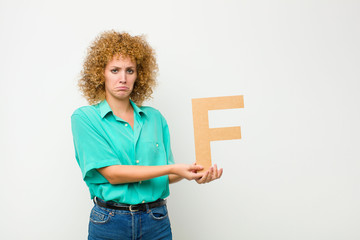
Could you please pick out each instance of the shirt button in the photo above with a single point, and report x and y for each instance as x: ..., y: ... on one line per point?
x: 143, y: 201
x: 157, y: 145
x: 137, y: 161
x: 125, y: 124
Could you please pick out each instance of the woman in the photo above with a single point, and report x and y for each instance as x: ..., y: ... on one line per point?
x: 123, y: 149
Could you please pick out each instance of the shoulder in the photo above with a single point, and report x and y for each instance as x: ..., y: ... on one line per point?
x: 154, y: 114
x: 87, y: 112
x: 151, y: 112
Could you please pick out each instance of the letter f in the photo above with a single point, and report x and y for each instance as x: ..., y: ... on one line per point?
x: 203, y: 134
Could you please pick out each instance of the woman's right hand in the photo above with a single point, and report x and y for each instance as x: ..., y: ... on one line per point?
x: 188, y: 171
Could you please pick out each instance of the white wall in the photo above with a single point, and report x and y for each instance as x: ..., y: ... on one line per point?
x: 293, y: 175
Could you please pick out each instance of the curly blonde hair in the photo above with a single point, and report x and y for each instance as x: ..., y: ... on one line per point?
x: 102, y: 50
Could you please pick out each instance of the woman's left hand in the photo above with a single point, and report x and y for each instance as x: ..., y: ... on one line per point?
x: 210, y: 175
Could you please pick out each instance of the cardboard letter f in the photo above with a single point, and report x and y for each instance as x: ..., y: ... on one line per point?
x: 203, y: 134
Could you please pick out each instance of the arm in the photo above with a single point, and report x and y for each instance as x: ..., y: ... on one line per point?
x: 212, y: 174
x: 173, y: 178
x: 118, y: 174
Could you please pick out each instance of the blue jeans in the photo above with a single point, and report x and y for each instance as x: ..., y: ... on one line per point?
x: 110, y: 224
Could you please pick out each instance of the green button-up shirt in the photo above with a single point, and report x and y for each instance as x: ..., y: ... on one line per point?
x: 102, y: 139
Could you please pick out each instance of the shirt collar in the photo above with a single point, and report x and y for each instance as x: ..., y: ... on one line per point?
x: 105, y: 108
x: 137, y: 109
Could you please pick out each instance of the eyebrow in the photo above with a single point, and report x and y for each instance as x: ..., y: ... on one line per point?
x: 120, y: 67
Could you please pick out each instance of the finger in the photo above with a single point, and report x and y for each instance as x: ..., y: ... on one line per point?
x: 194, y: 164
x: 203, y: 178
x: 211, y: 172
x: 207, y: 177
x: 196, y: 167
x: 198, y: 175
x: 215, y: 174
x: 220, y: 173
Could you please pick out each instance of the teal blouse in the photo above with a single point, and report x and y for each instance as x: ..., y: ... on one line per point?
x: 102, y: 139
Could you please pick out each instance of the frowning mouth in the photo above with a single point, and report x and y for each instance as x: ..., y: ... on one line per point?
x: 122, y: 88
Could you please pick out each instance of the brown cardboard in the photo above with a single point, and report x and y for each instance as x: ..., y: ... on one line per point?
x: 203, y: 134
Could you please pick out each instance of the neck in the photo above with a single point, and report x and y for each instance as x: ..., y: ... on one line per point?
x: 119, y: 107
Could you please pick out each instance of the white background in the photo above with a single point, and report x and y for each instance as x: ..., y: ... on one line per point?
x: 293, y: 175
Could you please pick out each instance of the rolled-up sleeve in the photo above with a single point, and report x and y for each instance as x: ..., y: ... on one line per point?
x: 92, y: 151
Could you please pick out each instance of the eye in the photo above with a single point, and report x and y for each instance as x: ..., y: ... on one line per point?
x: 114, y: 70
x: 131, y: 71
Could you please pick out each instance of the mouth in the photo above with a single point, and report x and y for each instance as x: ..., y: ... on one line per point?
x: 122, y: 88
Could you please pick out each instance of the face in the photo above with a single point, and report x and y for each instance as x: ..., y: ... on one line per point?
x: 120, y: 75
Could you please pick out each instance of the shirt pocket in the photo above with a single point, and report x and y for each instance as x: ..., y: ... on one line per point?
x: 152, y: 152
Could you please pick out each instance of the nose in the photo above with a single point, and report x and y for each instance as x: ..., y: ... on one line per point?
x: 122, y: 77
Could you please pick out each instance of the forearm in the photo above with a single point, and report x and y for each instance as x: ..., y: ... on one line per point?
x: 173, y: 178
x: 118, y: 174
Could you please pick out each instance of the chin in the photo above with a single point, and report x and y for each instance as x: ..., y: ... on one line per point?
x: 123, y: 97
